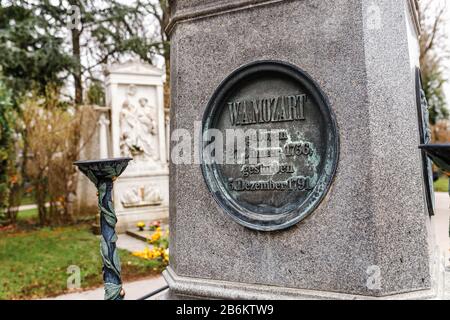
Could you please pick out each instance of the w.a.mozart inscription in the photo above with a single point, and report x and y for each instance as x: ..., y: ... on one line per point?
x: 270, y: 145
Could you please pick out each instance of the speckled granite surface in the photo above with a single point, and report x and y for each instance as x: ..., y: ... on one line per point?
x: 374, y: 214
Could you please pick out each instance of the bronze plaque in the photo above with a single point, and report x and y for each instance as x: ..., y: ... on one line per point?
x: 425, y: 138
x: 270, y: 145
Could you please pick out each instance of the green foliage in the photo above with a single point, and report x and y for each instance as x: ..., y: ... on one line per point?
x: 31, y: 51
x: 433, y: 85
x: 34, y: 264
x: 119, y: 29
x: 30, y: 216
x: 6, y: 145
x: 162, y: 241
x: 96, y: 94
x: 441, y: 185
x: 41, y: 46
x: 103, y: 31
x: 41, y: 43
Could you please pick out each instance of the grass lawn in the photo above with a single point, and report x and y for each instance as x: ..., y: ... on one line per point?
x: 28, y: 215
x: 441, y: 185
x: 27, y: 199
x: 34, y: 264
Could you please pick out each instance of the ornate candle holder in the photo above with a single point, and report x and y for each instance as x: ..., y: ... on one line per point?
x: 440, y: 155
x: 103, y: 173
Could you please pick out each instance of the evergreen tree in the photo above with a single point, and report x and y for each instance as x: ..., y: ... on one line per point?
x: 6, y: 148
x: 31, y: 54
x: 96, y: 32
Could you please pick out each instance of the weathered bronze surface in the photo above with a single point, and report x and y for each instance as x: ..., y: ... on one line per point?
x: 103, y: 173
x: 280, y: 145
x: 425, y: 138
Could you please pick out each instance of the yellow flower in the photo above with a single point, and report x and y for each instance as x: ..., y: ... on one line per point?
x: 155, y: 237
x: 140, y: 224
x: 157, y: 252
x: 166, y: 255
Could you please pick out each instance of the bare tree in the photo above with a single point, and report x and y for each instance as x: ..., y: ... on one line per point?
x: 54, y: 144
x: 160, y: 10
x: 433, y: 54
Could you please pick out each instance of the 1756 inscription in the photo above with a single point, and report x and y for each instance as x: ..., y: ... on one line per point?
x: 282, y: 140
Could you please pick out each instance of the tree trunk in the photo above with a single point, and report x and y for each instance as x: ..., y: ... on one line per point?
x: 14, y: 202
x: 77, y: 73
x: 167, y: 82
x: 41, y: 188
x: 165, y: 37
x: 40, y: 201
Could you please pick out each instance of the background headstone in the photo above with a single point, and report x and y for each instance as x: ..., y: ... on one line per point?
x: 134, y: 93
x: 95, y: 144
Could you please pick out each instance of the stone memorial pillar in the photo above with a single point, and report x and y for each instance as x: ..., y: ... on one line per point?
x: 331, y: 203
x: 103, y: 124
x: 135, y: 96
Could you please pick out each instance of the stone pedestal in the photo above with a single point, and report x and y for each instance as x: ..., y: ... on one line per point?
x: 135, y: 96
x: 369, y: 237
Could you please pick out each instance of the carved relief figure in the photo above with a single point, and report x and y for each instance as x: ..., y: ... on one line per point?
x: 139, y: 129
x: 152, y: 195
x: 148, y: 129
x: 136, y: 196
x: 131, y: 198
x: 128, y: 140
x: 426, y: 116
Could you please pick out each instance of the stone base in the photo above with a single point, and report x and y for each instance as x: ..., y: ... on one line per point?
x: 129, y: 216
x: 182, y: 288
x: 96, y: 229
x: 146, y: 234
x: 129, y: 220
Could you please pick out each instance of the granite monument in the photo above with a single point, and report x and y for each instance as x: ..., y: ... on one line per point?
x: 324, y: 197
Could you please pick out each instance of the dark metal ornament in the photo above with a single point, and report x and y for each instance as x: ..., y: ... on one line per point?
x: 440, y: 154
x: 425, y: 138
x: 103, y: 173
x: 276, y: 97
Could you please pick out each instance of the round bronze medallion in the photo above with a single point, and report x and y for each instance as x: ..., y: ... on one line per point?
x: 270, y: 145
